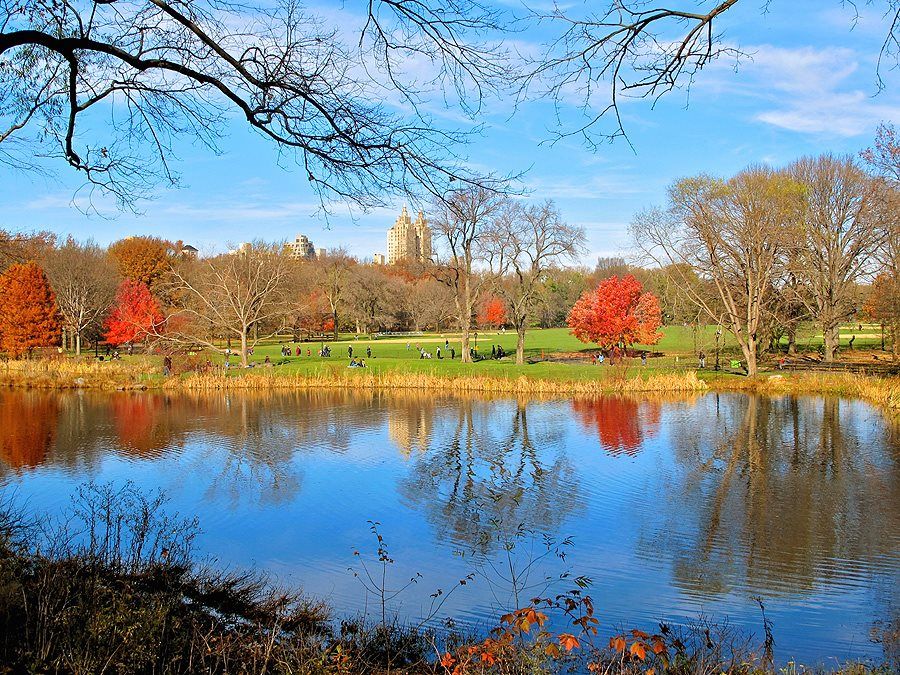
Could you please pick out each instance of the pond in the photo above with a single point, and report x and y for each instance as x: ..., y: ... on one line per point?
x: 673, y: 508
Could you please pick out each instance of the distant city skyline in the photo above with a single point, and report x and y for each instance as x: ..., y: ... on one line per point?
x: 803, y: 92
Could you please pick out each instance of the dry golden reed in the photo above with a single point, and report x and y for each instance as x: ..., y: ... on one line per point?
x: 74, y: 374
x: 443, y: 383
x: 91, y: 374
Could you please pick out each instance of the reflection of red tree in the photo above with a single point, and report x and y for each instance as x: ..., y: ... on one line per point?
x: 27, y: 428
x: 621, y: 423
x: 140, y: 427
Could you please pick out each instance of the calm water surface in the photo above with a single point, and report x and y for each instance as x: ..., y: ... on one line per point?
x: 675, y: 509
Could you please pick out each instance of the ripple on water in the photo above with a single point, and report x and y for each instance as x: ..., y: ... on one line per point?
x: 675, y: 509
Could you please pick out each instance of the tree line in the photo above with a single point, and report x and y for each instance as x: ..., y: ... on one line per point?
x: 758, y: 254
x: 503, y: 265
x: 766, y: 249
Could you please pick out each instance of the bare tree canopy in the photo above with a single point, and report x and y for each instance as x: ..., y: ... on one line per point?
x: 836, y: 240
x: 108, y: 86
x: 84, y: 281
x: 522, y: 243
x: 607, y: 51
x: 229, y: 296
x: 463, y: 220
x: 733, y: 234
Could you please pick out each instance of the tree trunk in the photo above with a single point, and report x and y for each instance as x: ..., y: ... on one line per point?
x: 520, y: 344
x: 334, y: 317
x: 244, y: 360
x: 792, y: 341
x: 78, y: 343
x: 750, y: 350
x: 831, y: 338
x: 466, y: 356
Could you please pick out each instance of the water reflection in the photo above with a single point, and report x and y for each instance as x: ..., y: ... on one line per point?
x: 722, y: 497
x: 490, y: 471
x: 780, y: 495
x: 621, y: 423
x: 27, y: 428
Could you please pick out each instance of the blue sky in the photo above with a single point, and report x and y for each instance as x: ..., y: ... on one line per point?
x: 809, y: 88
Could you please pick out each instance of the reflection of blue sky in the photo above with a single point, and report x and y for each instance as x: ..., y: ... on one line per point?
x: 809, y: 88
x: 635, y: 516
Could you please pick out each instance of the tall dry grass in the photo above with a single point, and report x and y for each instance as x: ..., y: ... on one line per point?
x: 671, y: 382
x: 74, y: 374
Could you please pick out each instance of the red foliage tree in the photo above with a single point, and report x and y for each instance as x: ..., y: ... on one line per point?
x: 135, y: 314
x: 616, y: 313
x: 492, y: 313
x: 29, y: 316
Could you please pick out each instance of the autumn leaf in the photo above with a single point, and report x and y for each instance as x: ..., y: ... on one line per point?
x: 638, y: 650
x: 447, y: 660
x: 135, y: 314
x: 568, y: 641
x: 488, y: 658
x: 617, y: 643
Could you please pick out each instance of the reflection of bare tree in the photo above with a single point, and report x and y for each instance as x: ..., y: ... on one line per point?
x: 27, y: 428
x: 492, y: 474
x: 781, y: 491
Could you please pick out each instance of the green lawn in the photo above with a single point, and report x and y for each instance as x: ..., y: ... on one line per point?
x: 676, y: 351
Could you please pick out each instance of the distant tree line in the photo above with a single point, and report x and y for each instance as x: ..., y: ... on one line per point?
x: 757, y: 254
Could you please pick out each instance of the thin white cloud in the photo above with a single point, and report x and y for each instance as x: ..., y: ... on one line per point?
x: 808, y: 90
x: 595, y: 186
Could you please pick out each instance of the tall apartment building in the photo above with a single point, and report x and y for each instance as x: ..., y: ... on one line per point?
x: 408, y: 239
x: 301, y: 247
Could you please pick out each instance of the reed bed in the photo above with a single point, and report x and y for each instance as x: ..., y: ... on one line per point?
x: 75, y: 374
x: 883, y: 392
x: 669, y: 382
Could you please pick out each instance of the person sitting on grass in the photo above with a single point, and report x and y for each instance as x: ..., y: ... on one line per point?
x: 353, y: 364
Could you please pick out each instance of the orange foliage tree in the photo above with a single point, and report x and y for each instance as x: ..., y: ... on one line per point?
x: 617, y: 313
x: 492, y: 313
x: 143, y: 259
x: 29, y: 316
x: 135, y: 314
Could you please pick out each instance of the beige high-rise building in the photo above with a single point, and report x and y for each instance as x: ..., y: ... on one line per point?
x: 408, y: 239
x: 301, y: 248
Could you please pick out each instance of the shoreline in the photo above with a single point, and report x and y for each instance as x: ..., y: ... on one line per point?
x: 881, y: 391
